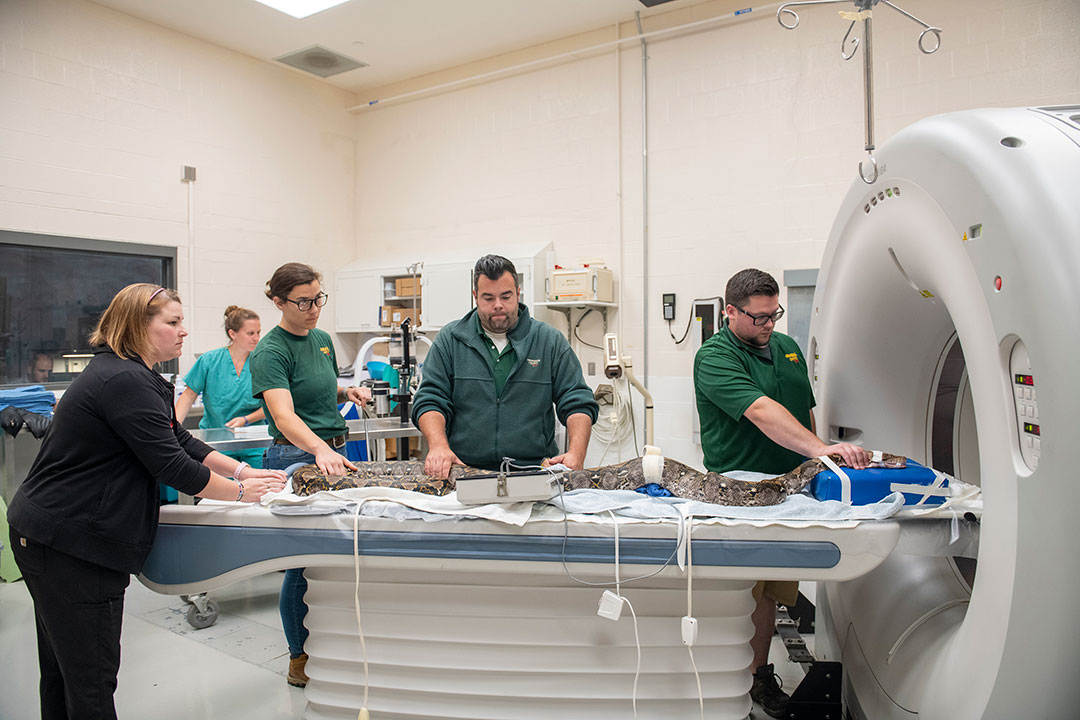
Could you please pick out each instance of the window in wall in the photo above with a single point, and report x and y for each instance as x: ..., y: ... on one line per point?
x: 52, y: 292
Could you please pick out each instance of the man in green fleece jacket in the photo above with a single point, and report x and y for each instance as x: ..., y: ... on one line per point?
x: 494, y: 382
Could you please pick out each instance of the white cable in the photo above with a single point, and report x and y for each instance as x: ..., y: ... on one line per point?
x: 689, y: 566
x: 688, y: 518
x: 700, y: 695
x: 616, y: 425
x: 637, y: 644
x: 637, y: 638
x: 363, y: 714
x: 566, y: 537
x: 615, y: 524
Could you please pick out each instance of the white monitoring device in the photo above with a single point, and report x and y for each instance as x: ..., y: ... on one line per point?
x: 612, y: 362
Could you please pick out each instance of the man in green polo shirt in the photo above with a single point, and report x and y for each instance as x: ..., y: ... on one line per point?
x: 756, y: 408
x: 494, y: 382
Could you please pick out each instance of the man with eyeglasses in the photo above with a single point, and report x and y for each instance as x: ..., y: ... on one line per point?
x: 755, y: 403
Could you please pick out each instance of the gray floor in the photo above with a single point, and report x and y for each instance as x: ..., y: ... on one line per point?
x: 233, y: 669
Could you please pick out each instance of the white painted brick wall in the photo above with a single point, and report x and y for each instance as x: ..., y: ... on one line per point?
x: 755, y: 133
x: 99, y: 111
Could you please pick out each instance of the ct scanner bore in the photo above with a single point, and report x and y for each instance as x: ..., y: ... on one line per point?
x: 945, y: 327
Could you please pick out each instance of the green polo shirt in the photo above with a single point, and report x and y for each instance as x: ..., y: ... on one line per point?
x: 729, y: 376
x: 502, y: 363
x: 306, y: 366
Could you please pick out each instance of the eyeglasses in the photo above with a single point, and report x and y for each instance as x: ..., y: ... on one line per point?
x: 304, y: 304
x: 760, y: 320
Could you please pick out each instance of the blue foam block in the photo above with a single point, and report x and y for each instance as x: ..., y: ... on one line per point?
x: 872, y: 485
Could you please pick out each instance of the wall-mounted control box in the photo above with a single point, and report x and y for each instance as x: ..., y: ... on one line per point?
x: 669, y: 306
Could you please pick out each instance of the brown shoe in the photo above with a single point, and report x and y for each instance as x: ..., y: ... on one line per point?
x: 297, y: 677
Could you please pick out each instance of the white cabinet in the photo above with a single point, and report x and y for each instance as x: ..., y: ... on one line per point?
x: 446, y: 286
x: 357, y: 305
x: 447, y: 293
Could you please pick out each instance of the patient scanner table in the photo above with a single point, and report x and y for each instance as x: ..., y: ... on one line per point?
x: 474, y: 618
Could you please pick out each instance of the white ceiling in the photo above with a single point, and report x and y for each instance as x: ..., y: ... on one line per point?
x: 399, y: 39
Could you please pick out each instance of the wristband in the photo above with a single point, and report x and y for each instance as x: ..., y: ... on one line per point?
x: 240, y: 496
x: 239, y: 469
x: 244, y: 418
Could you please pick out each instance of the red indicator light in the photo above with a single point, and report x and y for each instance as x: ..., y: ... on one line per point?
x: 1031, y: 428
x: 1025, y: 380
x: 997, y: 283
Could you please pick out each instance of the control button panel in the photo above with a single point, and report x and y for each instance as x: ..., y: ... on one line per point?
x: 1026, y: 403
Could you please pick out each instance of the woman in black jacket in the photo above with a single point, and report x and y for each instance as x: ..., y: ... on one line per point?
x: 85, y: 517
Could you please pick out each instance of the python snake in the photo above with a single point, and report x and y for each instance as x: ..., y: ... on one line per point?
x: 679, y: 479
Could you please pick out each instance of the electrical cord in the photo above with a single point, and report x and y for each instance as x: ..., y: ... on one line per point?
x: 689, y: 627
x: 608, y: 431
x: 508, y: 463
x: 566, y: 537
x: 637, y: 643
x: 576, y: 326
x: 566, y: 532
x: 363, y: 714
x: 690, y: 319
x: 633, y: 615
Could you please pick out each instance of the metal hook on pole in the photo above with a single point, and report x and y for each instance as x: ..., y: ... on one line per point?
x: 854, y: 43
x: 922, y: 36
x: 789, y: 19
x: 785, y: 9
x: 868, y: 98
x: 869, y: 179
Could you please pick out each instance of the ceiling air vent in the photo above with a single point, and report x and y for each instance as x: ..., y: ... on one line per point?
x: 320, y: 61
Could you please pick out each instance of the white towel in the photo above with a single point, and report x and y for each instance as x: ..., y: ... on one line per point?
x: 794, y: 509
x: 406, y: 505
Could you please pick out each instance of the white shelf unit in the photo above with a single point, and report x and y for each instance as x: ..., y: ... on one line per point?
x: 446, y: 286
x: 566, y: 307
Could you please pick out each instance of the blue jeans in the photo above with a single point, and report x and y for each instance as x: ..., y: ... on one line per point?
x: 291, y: 603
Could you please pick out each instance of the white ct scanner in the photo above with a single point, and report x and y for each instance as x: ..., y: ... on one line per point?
x: 946, y: 327
x: 944, y: 298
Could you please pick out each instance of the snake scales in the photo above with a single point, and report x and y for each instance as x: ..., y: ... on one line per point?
x: 681, y: 480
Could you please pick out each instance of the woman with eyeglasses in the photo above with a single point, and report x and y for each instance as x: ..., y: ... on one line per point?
x: 294, y: 372
x: 85, y: 517
x: 223, y: 376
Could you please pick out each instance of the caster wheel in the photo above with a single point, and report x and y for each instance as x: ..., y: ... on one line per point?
x: 204, y: 618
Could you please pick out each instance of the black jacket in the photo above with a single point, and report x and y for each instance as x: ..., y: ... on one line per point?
x: 92, y: 491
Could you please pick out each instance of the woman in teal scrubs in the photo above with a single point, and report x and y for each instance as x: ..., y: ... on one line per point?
x: 224, y: 379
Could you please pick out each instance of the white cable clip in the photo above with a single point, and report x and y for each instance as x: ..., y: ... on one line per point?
x: 611, y: 605
x: 689, y: 631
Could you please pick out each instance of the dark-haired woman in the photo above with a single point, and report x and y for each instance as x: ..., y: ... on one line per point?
x: 223, y: 377
x: 294, y: 371
x: 85, y: 517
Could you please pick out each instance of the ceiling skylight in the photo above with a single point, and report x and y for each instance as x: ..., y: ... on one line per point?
x: 301, y: 9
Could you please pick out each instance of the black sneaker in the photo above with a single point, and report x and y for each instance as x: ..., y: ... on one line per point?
x: 766, y: 692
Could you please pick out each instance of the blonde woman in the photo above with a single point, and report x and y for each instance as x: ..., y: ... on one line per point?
x: 84, y: 519
x: 223, y: 377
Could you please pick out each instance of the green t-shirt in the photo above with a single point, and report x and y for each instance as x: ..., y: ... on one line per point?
x: 306, y: 366
x: 728, y: 377
x: 502, y: 363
